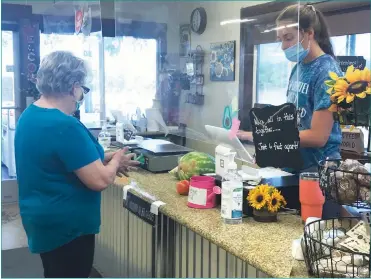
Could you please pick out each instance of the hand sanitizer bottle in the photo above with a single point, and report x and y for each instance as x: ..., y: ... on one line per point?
x: 104, y: 137
x: 232, y: 194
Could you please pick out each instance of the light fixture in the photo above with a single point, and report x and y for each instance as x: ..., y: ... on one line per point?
x: 281, y: 27
x: 237, y: 20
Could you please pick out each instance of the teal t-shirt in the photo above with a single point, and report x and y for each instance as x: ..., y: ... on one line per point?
x: 307, y: 89
x: 55, y: 206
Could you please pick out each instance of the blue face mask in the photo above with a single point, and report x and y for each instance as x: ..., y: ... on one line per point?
x: 297, y: 53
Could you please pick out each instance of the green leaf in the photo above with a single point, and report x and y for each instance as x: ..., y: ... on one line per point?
x: 330, y: 83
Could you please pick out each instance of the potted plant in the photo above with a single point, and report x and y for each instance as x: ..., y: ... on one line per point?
x: 350, y: 96
x: 266, y: 201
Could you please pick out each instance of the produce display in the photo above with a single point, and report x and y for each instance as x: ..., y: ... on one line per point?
x: 194, y: 163
x: 347, y: 182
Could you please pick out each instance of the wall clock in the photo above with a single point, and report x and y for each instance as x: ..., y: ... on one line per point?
x: 198, y: 20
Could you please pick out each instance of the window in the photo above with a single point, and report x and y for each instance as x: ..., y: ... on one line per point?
x: 273, y: 72
x: 7, y: 79
x: 130, y: 68
x: 8, y: 119
x: 88, y: 48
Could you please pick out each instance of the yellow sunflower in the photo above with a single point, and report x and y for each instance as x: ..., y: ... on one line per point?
x: 264, y: 188
x: 258, y: 197
x: 276, y: 201
x: 355, y: 83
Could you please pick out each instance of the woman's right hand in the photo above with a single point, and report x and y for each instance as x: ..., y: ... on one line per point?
x: 243, y: 135
x: 125, y: 161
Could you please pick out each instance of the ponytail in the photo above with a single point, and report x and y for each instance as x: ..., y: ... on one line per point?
x: 323, y: 36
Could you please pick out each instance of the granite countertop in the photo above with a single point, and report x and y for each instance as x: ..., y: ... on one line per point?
x: 266, y: 246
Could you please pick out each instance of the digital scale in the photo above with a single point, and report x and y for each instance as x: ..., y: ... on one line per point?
x: 160, y: 155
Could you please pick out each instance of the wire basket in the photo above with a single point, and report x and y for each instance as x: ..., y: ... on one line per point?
x: 357, y: 113
x: 346, y: 183
x: 324, y: 255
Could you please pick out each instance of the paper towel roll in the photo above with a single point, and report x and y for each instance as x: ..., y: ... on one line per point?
x: 154, y: 118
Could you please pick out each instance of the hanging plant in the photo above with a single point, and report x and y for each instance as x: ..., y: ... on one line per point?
x: 350, y: 96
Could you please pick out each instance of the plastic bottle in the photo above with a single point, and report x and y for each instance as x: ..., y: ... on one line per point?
x: 104, y: 137
x: 232, y: 194
x: 120, y: 132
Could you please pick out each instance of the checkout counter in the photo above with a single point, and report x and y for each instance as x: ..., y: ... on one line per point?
x: 149, y: 231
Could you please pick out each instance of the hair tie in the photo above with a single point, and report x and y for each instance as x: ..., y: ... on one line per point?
x: 312, y: 7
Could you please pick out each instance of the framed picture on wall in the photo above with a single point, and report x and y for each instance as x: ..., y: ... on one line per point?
x: 222, y: 61
x: 185, y: 40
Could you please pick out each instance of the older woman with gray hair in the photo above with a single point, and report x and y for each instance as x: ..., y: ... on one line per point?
x: 61, y: 170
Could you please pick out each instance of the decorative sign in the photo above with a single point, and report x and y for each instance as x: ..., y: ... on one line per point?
x: 139, y: 208
x: 359, y: 62
x: 276, y: 136
x: 353, y: 140
x: 29, y: 34
x: 231, y: 114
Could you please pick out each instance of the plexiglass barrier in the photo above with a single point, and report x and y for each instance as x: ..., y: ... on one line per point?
x: 76, y: 26
x: 174, y: 67
x: 195, y: 68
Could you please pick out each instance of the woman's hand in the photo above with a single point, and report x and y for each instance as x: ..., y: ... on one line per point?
x: 126, y: 163
x: 242, y: 135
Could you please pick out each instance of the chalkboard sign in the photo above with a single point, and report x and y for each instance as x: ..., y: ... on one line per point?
x: 359, y: 62
x: 276, y: 136
x: 140, y: 208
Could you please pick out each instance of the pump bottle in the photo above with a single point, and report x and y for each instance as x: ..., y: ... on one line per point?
x: 232, y: 194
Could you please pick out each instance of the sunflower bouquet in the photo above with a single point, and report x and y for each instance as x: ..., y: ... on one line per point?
x: 265, y: 197
x: 344, y: 91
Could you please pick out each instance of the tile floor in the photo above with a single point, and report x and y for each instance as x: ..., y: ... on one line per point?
x: 16, y: 259
x: 12, y: 233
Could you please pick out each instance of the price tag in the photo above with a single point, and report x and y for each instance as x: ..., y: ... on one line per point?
x: 197, y: 195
